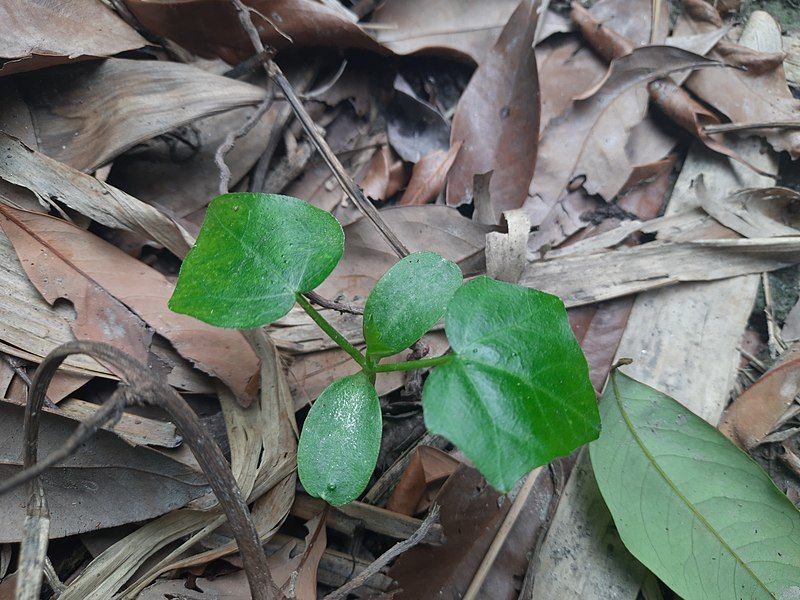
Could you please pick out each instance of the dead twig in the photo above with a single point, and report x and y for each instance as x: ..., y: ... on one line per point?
x: 387, y: 556
x: 354, y: 193
x: 728, y: 127
x: 342, y: 307
x: 142, y: 388
x: 230, y: 140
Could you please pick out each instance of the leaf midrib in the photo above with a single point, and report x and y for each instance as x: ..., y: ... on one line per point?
x: 678, y: 493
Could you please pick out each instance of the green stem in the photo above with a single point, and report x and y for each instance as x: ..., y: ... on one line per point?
x: 331, y: 331
x: 410, y: 365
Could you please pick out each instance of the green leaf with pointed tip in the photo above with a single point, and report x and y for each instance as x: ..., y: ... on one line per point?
x: 254, y: 252
x: 340, y: 440
x: 517, y: 392
x: 407, y: 301
x: 691, y: 506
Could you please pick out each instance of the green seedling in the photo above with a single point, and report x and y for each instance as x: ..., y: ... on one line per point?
x: 513, y: 394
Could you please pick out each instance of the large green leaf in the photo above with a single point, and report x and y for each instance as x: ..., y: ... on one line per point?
x: 691, y: 506
x: 517, y: 393
x: 407, y: 301
x: 340, y: 440
x: 254, y: 252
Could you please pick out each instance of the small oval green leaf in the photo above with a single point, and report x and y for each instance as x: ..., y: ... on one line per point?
x: 691, y: 506
x: 517, y: 393
x: 254, y: 252
x: 407, y: 301
x: 340, y: 440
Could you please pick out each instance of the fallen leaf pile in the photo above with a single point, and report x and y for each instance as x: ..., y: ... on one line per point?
x: 635, y: 158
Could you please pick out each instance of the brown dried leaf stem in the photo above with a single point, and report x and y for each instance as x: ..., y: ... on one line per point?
x: 141, y: 388
x: 349, y: 186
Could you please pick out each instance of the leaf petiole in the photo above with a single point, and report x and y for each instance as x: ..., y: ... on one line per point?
x: 410, y: 365
x: 331, y: 331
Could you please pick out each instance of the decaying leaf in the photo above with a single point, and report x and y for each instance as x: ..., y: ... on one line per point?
x: 41, y: 34
x: 428, y: 466
x: 497, y: 118
x: 415, y: 128
x: 69, y: 105
x: 754, y: 213
x: 92, y: 489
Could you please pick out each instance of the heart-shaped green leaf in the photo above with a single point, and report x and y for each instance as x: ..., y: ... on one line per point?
x: 340, y: 440
x: 407, y: 301
x: 691, y: 506
x: 517, y: 393
x: 253, y: 254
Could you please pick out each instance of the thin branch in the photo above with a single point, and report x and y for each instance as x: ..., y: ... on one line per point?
x: 230, y: 140
x: 728, y: 127
x: 142, y: 388
x: 387, y: 556
x: 354, y: 193
x: 18, y: 367
x: 342, y: 307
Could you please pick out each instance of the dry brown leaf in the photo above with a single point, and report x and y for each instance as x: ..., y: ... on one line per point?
x: 590, y: 138
x: 41, y: 34
x: 750, y: 96
x: 428, y: 176
x: 212, y: 28
x: 464, y: 28
x: 88, y: 113
x: 100, y: 316
x: 497, y: 118
x: 755, y: 413
x: 384, y: 176
x: 93, y: 489
x: 428, y: 466
x: 222, y: 353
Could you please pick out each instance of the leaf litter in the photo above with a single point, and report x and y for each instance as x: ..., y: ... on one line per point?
x: 575, y: 119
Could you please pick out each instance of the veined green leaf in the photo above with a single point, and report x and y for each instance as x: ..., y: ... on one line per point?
x: 517, y: 392
x: 340, y: 440
x: 407, y: 301
x: 691, y: 506
x: 254, y: 252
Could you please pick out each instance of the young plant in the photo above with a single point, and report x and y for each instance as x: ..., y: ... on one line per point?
x: 513, y: 394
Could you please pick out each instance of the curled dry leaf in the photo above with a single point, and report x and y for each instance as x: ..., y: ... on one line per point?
x: 54, y: 181
x: 497, y: 118
x: 428, y: 176
x: 110, y: 472
x: 464, y: 28
x: 384, y: 176
x: 427, y: 467
x: 754, y: 213
x: 224, y: 354
x: 759, y: 409
x: 69, y: 105
x: 212, y: 28
x: 42, y: 34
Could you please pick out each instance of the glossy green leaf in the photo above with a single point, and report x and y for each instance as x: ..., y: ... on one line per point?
x: 407, y: 301
x: 517, y: 393
x: 340, y: 440
x: 254, y: 252
x: 691, y: 506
